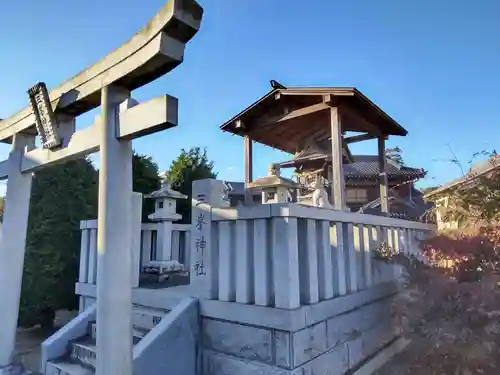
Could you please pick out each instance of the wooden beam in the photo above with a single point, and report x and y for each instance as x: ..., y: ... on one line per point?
x: 360, y: 138
x: 350, y: 115
x: 135, y: 121
x: 248, y: 168
x: 337, y: 183
x: 383, y: 182
x: 290, y: 115
x: 248, y: 159
x: 240, y: 125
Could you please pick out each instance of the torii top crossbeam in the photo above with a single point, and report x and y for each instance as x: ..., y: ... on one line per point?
x: 152, y: 52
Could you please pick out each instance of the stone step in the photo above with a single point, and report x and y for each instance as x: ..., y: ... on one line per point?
x: 146, y: 318
x: 143, y: 320
x: 67, y: 367
x: 137, y: 333
x: 84, y: 352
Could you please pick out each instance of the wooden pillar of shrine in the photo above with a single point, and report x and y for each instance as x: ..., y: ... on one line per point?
x: 337, y: 182
x: 383, y: 183
x: 248, y: 157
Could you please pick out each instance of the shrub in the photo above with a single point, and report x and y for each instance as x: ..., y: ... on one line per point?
x: 454, y: 325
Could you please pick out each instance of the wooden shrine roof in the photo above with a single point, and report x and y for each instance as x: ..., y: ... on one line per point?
x: 285, y: 117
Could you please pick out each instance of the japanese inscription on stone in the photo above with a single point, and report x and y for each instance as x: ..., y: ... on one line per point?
x: 200, y: 244
x: 45, y: 119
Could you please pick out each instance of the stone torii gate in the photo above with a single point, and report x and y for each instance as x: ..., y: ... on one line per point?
x: 151, y: 53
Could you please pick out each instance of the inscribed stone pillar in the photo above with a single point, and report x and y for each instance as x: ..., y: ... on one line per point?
x: 12, y: 246
x: 114, y: 292
x: 204, y: 255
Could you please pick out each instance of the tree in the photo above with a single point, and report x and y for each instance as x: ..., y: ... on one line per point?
x: 394, y: 154
x: 189, y: 166
x: 451, y: 304
x: 61, y: 196
x: 477, y: 201
x: 146, y: 180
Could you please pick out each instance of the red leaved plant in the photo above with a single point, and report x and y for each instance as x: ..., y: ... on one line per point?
x: 450, y: 307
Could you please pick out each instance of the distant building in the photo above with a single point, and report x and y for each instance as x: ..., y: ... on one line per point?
x: 442, y: 195
x: 361, y: 175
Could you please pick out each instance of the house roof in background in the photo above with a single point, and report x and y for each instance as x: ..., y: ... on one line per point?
x: 477, y: 169
x: 367, y: 166
x: 414, y: 209
x: 362, y: 166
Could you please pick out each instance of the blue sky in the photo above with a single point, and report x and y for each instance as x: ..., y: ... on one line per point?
x: 432, y: 65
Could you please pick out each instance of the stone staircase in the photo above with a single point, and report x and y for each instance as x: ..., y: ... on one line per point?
x: 80, y: 358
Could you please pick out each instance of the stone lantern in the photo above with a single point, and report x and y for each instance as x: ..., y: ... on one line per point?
x: 275, y: 189
x: 165, y: 200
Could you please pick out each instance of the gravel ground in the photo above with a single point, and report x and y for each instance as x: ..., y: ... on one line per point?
x: 29, y: 340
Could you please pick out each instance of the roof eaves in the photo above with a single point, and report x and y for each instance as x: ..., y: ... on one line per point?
x: 459, y: 181
x: 358, y: 93
x: 226, y: 125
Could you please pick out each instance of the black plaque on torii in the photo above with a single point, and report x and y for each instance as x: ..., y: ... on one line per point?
x: 45, y: 119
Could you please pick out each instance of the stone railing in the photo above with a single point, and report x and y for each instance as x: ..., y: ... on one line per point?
x: 288, y: 255
x: 144, y: 249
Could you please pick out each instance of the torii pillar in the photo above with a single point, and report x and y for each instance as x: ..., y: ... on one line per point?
x: 12, y: 245
x: 114, y: 270
x: 154, y: 51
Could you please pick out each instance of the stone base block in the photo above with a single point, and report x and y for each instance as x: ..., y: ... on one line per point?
x: 335, y: 345
x: 158, y: 271
x: 333, y: 362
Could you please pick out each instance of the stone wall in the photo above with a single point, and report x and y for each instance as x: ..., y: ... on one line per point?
x: 331, y: 346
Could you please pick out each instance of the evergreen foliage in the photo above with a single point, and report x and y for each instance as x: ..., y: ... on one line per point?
x: 189, y: 166
x: 61, y: 196
x: 146, y: 180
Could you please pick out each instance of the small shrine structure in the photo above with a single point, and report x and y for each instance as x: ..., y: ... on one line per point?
x: 312, y: 123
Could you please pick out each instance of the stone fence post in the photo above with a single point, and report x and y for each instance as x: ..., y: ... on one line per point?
x: 207, y: 193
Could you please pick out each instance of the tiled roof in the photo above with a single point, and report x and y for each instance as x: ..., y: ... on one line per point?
x: 366, y: 166
x: 415, y: 209
x: 363, y: 166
